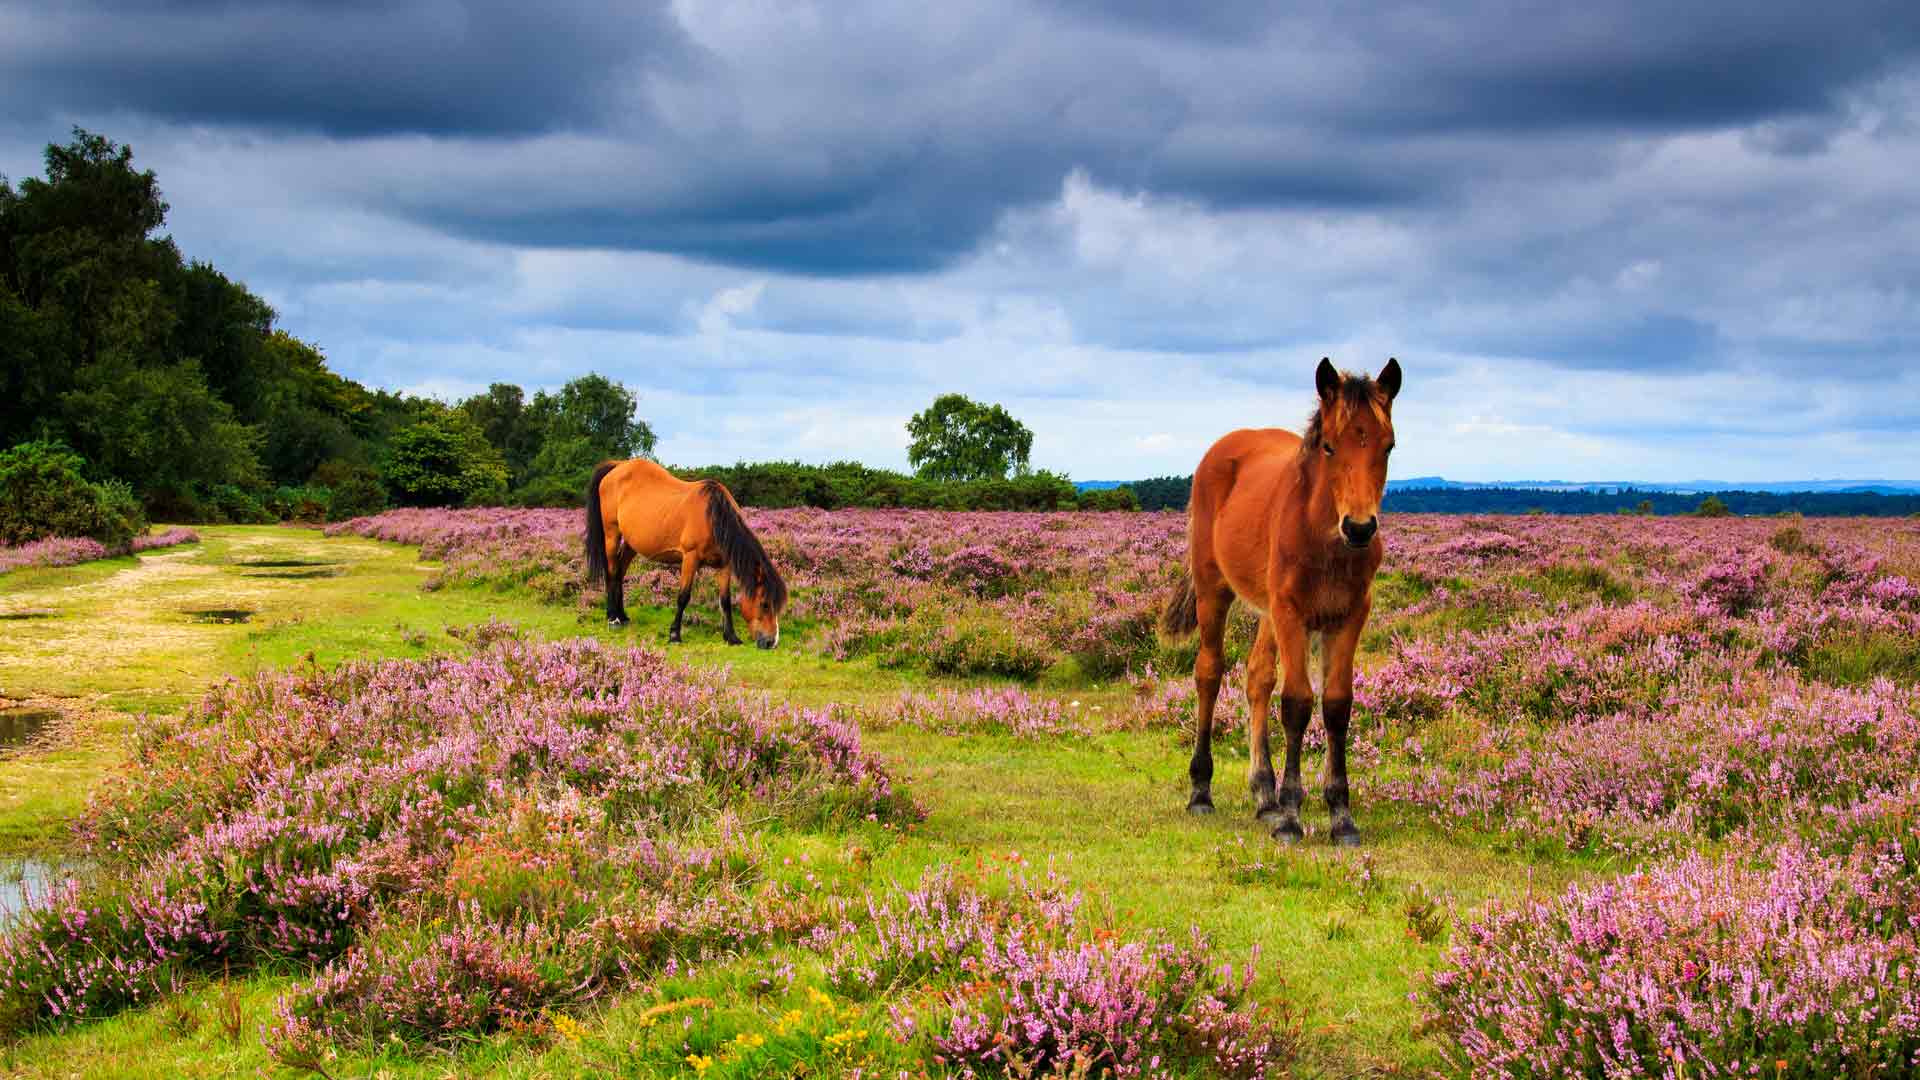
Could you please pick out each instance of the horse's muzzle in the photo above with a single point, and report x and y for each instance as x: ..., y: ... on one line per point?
x: 1358, y: 534
x: 766, y: 641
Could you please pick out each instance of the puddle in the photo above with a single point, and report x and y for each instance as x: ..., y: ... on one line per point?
x: 220, y: 615
x: 275, y: 563
x: 28, y: 613
x: 318, y: 572
x: 23, y: 880
x: 18, y: 726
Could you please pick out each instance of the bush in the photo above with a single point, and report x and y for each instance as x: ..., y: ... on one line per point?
x: 1120, y: 498
x: 444, y: 461
x: 229, y: 503
x: 44, y: 493
x: 354, y: 489
x: 304, y: 503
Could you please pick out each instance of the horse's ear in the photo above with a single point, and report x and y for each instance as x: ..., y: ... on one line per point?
x: 1326, y: 379
x: 1389, y: 379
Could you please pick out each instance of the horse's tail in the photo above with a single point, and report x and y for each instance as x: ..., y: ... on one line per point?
x: 1181, y: 616
x: 596, y: 528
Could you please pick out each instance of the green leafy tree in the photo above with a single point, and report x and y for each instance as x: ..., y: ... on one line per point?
x: 599, y: 410
x: 514, y: 429
x: 353, y: 489
x: 444, y: 460
x: 44, y: 492
x: 590, y: 420
x: 163, y: 430
x: 957, y: 440
x: 558, y: 473
x: 1712, y: 507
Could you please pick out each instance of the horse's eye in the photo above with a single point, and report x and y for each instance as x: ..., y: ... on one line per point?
x: 1328, y: 447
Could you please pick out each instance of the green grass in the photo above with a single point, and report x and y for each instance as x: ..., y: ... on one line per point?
x: 1859, y: 659
x: 1106, y: 811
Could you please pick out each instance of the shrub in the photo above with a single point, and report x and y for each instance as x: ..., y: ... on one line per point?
x: 306, y: 502
x: 228, y: 503
x: 354, y: 489
x: 1120, y: 498
x: 1701, y: 968
x: 44, y: 493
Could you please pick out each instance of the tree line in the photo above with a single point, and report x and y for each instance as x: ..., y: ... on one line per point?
x: 137, y: 383
x: 1170, y: 493
x: 156, y: 385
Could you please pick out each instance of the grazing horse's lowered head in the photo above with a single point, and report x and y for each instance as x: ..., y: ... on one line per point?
x: 1345, y: 447
x: 763, y: 594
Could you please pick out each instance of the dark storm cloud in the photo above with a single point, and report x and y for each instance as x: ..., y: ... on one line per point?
x: 919, y: 132
x: 353, y: 68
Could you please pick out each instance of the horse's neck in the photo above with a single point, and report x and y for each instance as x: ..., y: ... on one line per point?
x: 1318, y: 487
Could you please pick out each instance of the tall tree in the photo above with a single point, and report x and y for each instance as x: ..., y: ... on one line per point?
x: 601, y: 412
x: 958, y: 439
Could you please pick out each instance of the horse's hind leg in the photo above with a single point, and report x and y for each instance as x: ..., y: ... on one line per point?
x: 1296, y: 709
x: 619, y: 558
x: 1211, y: 605
x: 689, y: 568
x: 1261, y: 674
x: 725, y: 578
x: 1336, y: 708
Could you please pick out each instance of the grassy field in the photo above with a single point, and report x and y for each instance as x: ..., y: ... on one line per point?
x: 1343, y: 935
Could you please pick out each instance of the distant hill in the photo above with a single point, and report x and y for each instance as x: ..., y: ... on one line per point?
x: 1437, y: 494
x: 1689, y: 487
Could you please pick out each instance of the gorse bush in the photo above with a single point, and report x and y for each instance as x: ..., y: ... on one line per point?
x: 44, y: 493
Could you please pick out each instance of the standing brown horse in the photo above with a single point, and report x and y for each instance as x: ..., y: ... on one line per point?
x: 636, y: 508
x: 1290, y: 525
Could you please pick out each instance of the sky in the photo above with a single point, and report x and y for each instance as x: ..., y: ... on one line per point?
x: 1616, y: 239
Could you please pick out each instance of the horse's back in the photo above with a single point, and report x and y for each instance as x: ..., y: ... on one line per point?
x: 647, y: 505
x: 1245, y: 462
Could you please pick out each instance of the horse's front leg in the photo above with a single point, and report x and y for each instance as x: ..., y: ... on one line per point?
x: 1296, y: 709
x: 1336, y: 709
x: 689, y: 569
x: 725, y: 579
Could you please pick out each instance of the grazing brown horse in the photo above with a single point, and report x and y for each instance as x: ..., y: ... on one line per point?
x: 1290, y: 525
x: 636, y: 508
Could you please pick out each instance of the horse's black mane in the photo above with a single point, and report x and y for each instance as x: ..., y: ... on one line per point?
x: 1356, y: 391
x: 745, y: 557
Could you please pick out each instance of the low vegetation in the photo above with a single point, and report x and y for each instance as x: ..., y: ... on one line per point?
x: 1635, y: 789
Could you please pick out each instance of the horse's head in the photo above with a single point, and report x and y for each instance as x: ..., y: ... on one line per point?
x: 1353, y: 434
x: 762, y: 598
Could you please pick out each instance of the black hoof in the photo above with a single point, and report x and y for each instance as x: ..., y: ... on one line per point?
x: 734, y: 641
x: 1289, y: 832
x: 1200, y: 806
x: 616, y: 623
x: 1345, y: 834
x: 673, y: 639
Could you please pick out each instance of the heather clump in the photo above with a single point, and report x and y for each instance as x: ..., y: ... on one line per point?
x: 71, y: 551
x: 1006, y: 710
x: 1032, y: 986
x: 1795, y: 965
x: 325, y: 817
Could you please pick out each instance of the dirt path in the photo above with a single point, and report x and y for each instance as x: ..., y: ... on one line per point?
x: 86, y: 650
x: 157, y: 630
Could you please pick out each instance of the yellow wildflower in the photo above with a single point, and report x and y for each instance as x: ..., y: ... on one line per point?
x: 700, y: 1062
